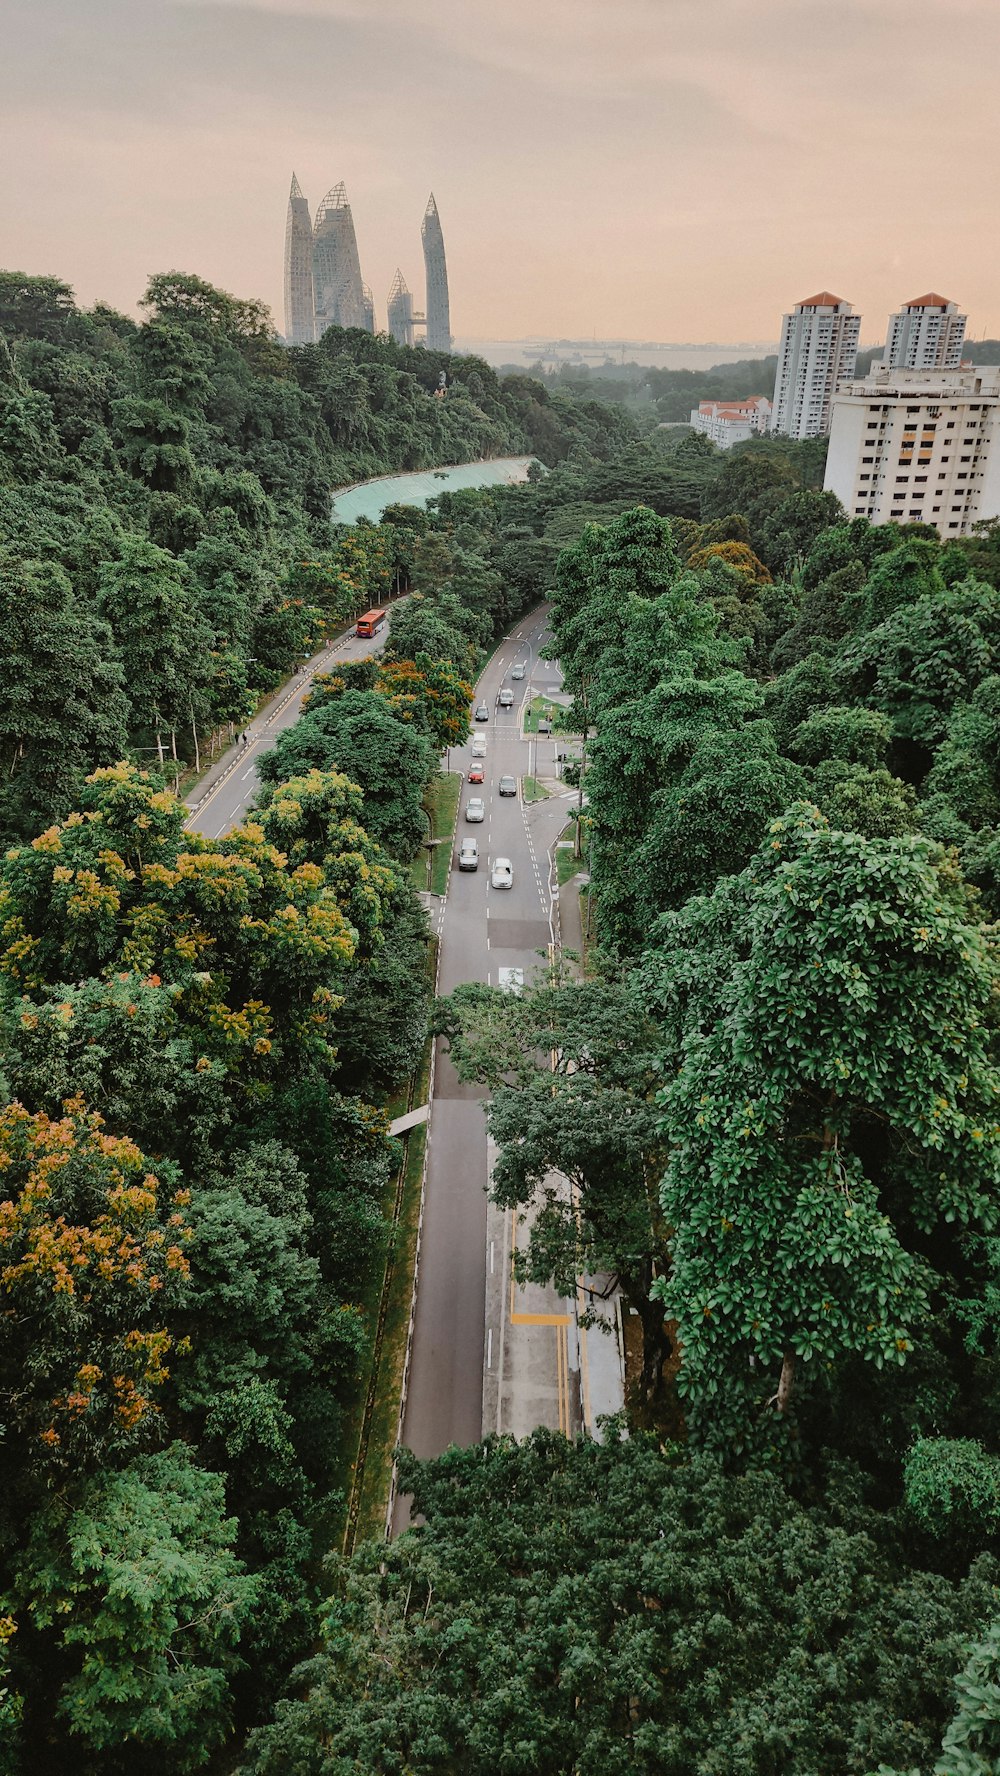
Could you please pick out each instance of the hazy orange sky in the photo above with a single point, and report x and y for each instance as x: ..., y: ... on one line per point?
x: 644, y: 169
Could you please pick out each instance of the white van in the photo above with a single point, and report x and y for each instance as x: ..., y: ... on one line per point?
x: 506, y: 698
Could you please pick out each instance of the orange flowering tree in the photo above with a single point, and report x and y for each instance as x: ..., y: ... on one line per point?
x: 92, y: 1266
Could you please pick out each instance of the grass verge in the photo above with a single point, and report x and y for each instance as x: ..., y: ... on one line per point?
x: 431, y: 868
x: 543, y: 709
x: 533, y: 791
x: 371, y: 1427
x: 567, y: 864
x: 376, y: 1476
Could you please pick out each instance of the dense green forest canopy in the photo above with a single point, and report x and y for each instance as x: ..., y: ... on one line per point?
x: 774, y: 1086
x: 166, y: 552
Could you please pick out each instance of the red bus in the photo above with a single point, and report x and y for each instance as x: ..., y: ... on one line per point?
x: 371, y: 623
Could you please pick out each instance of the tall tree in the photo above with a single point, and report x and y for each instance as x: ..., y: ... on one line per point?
x: 63, y: 710
x: 830, y: 1112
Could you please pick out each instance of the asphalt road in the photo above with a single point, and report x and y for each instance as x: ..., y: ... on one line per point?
x: 481, y: 930
x: 227, y: 800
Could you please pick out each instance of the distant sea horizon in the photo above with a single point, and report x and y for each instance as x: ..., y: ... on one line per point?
x: 658, y: 354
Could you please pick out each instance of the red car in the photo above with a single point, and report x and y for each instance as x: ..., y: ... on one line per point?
x: 476, y: 774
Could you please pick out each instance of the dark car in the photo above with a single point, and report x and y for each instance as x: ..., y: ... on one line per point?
x: 508, y: 786
x: 482, y: 712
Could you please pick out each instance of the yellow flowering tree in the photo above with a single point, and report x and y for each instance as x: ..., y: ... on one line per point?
x: 92, y: 1266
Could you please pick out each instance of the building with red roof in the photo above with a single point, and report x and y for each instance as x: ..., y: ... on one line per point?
x: 819, y: 349
x: 925, y: 334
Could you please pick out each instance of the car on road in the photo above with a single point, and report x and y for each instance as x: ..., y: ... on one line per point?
x: 510, y: 980
x: 478, y: 771
x: 506, y: 698
x: 468, y: 856
x: 503, y: 873
x: 479, y: 746
x: 517, y: 670
x: 508, y: 786
x: 475, y: 809
x: 544, y: 726
x: 482, y: 712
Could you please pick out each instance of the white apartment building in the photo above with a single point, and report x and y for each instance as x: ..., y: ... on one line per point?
x: 732, y: 422
x: 926, y: 334
x: 918, y: 444
x: 819, y: 348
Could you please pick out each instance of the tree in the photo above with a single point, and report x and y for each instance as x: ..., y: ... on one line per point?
x: 359, y: 735
x: 792, y: 528
x: 63, y: 710
x: 431, y: 694
x: 571, y: 1070
x: 253, y: 947
x: 609, y: 1607
x: 971, y: 1745
x: 925, y: 658
x: 146, y: 599
x: 952, y: 1487
x: 92, y: 1265
x: 639, y: 759
x: 121, y: 1045
x: 830, y: 1112
x: 137, y: 1593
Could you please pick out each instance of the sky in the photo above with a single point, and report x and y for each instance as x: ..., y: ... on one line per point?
x: 635, y: 169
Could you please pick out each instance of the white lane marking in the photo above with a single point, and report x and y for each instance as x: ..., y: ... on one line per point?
x: 247, y: 774
x: 489, y: 1347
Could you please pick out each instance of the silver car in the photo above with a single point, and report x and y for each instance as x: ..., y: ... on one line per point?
x: 475, y: 810
x: 503, y: 873
x: 517, y: 670
x: 468, y: 856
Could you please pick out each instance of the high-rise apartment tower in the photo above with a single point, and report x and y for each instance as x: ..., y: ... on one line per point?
x: 918, y: 444
x: 300, y: 326
x: 819, y: 348
x: 339, y: 291
x: 926, y: 334
x: 400, y: 311
x: 437, y: 308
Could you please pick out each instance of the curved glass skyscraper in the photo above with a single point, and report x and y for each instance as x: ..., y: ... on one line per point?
x: 437, y: 308
x: 337, y: 285
x: 400, y: 311
x: 300, y: 327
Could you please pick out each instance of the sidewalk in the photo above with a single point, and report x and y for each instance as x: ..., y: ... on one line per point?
x: 602, y: 1358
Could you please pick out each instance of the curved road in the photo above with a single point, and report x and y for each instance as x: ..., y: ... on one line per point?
x: 223, y: 798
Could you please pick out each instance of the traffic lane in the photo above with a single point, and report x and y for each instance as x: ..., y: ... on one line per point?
x: 444, y: 1395
x: 445, y: 1398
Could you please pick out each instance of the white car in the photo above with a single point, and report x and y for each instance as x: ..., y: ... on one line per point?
x: 479, y: 747
x: 468, y: 856
x: 475, y: 810
x: 517, y: 670
x: 503, y: 873
x: 506, y: 698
